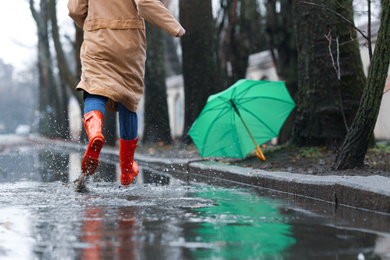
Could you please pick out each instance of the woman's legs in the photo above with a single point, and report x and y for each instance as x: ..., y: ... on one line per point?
x: 94, y: 102
x: 128, y: 125
x: 94, y: 107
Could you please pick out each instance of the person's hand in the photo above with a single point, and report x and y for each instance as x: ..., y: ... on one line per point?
x: 181, y: 33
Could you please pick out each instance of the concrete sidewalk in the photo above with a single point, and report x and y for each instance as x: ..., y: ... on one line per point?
x: 370, y: 193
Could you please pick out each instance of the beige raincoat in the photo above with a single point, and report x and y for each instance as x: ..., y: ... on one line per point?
x: 114, y: 50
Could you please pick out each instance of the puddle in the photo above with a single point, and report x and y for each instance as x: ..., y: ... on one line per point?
x: 160, y: 217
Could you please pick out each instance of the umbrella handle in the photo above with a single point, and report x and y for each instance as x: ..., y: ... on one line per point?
x: 259, y: 153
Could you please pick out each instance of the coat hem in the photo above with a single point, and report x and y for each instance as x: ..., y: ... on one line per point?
x: 111, y: 103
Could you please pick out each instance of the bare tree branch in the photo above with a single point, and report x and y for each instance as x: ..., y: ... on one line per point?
x: 335, y: 64
x: 35, y: 14
x: 369, y: 29
x: 65, y: 72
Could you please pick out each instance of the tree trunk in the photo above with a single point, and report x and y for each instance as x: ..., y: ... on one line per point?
x: 79, y: 39
x: 65, y: 75
x: 172, y: 61
x: 49, y: 103
x: 69, y: 80
x: 65, y: 72
x: 280, y: 30
x: 199, y: 64
x: 330, y: 82
x: 241, y: 36
x: 249, y: 25
x: 156, y: 126
x: 356, y: 143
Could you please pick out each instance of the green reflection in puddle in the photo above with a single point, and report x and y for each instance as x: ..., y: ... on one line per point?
x: 241, y: 225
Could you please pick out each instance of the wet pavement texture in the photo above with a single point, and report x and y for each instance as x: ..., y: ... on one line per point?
x: 161, y: 217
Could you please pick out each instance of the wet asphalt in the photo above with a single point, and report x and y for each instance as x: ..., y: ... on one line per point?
x: 181, y: 209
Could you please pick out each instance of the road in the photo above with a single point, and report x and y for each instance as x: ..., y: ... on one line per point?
x: 161, y: 217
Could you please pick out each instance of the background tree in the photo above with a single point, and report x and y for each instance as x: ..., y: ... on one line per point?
x: 67, y: 81
x: 78, y: 42
x: 241, y: 36
x: 66, y: 75
x: 53, y: 121
x: 172, y: 62
x: 331, y: 77
x: 356, y: 143
x: 156, y: 120
x: 283, y: 48
x: 200, y: 70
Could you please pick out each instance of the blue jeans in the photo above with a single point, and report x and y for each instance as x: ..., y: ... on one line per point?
x: 128, y: 120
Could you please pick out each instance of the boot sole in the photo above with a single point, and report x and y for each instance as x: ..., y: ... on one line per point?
x: 90, y: 161
x: 128, y: 180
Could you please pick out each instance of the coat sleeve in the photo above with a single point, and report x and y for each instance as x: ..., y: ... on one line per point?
x: 157, y: 14
x: 78, y: 10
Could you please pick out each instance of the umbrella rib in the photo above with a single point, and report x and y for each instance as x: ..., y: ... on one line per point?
x: 218, y: 107
x: 211, y: 125
x: 246, y: 89
x: 236, y: 133
x: 245, y: 100
x: 255, y: 116
x: 234, y: 94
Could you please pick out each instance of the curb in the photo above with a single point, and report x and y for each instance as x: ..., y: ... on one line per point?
x: 367, y: 193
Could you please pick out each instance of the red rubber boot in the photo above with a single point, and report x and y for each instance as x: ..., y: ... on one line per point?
x: 129, y: 168
x: 93, y: 124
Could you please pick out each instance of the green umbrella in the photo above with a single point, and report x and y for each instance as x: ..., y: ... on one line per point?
x: 222, y: 128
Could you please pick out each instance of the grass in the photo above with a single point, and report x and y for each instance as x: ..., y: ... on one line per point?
x: 383, y: 147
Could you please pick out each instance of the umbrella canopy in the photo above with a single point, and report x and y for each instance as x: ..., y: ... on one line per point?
x: 222, y: 128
